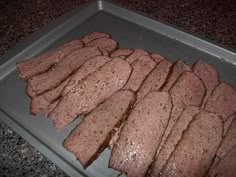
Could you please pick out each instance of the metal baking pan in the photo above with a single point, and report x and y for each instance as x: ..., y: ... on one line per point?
x: 130, y: 30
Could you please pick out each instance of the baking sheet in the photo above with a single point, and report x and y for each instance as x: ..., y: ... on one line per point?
x: 129, y: 29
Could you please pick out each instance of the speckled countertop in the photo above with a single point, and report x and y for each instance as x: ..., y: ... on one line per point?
x: 215, y: 20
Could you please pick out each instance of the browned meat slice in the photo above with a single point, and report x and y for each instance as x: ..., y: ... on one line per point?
x: 123, y: 53
x: 226, y: 167
x: 135, y: 55
x: 104, y: 43
x: 222, y: 101
x: 228, y: 122
x: 229, y: 141
x: 141, y: 68
x: 177, y: 69
x: 157, y: 57
x: 188, y: 90
x: 93, y: 36
x: 90, y: 92
x: 38, y: 59
x: 93, y: 134
x: 195, y: 151
x: 104, y: 52
x: 139, y: 138
x: 50, y: 108
x: 41, y: 102
x: 29, y: 91
x: 208, y: 75
x: 155, y: 79
x: 87, y: 68
x: 42, y: 63
x: 115, y: 136
x: 173, y: 139
x: 53, y: 77
x: 213, y: 165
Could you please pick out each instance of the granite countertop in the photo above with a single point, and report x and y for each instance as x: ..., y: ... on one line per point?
x: 215, y: 20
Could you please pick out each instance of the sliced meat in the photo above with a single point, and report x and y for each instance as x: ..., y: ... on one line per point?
x: 93, y: 134
x: 38, y: 59
x: 87, y: 68
x: 41, y: 102
x: 195, y: 151
x: 29, y: 91
x: 213, y: 165
x: 208, y: 75
x: 93, y: 36
x: 157, y: 57
x: 90, y: 92
x: 115, y: 136
x: 222, y: 101
x: 53, y: 77
x: 123, y: 53
x: 177, y: 69
x: 136, y: 147
x: 173, y: 139
x: 229, y: 141
x: 141, y: 68
x: 104, y: 43
x: 155, y: 79
x: 228, y: 122
x: 135, y: 55
x: 226, y: 167
x: 188, y: 90
x: 104, y: 52
x: 50, y: 108
x: 42, y: 63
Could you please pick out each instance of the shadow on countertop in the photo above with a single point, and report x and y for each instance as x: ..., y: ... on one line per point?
x: 20, y: 18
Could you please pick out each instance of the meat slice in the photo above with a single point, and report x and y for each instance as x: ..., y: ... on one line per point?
x: 90, y: 92
x: 228, y: 122
x: 42, y: 63
x: 195, y: 151
x: 135, y: 55
x: 104, y: 43
x: 41, y: 102
x: 222, y: 101
x: 208, y: 75
x: 157, y: 57
x: 53, y: 77
x: 93, y: 134
x: 87, y: 68
x: 29, y: 91
x: 141, y: 68
x: 155, y: 79
x: 226, y: 167
x: 188, y: 90
x: 173, y: 139
x: 40, y: 58
x: 139, y: 138
x: 115, y: 136
x: 177, y: 69
x: 229, y: 141
x: 104, y: 52
x: 93, y: 36
x: 123, y: 53
x: 50, y: 108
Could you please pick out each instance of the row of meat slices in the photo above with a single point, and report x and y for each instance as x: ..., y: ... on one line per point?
x: 159, y: 118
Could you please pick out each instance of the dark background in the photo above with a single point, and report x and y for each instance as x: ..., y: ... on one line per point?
x: 215, y: 20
